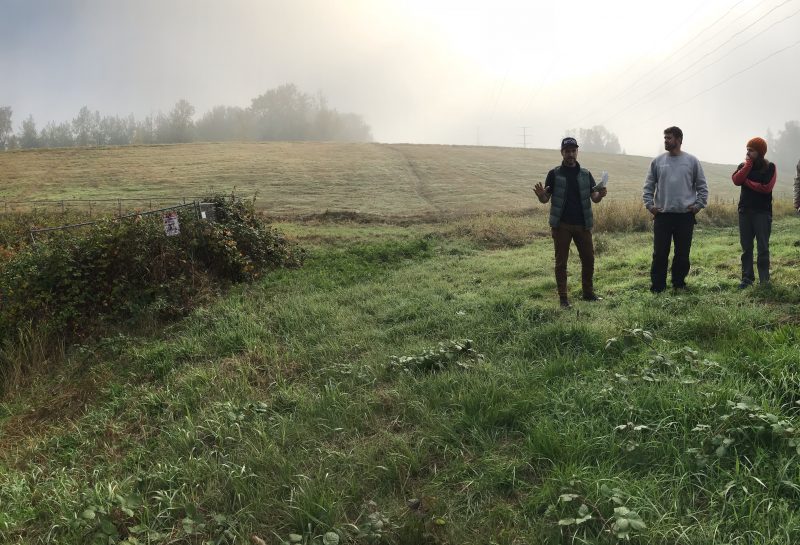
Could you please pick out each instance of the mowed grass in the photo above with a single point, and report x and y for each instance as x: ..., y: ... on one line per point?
x: 276, y: 410
x: 312, y: 177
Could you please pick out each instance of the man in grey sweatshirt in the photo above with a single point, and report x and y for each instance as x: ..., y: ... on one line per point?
x: 674, y: 191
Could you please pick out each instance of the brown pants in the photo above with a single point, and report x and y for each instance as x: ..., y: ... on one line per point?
x: 563, y: 235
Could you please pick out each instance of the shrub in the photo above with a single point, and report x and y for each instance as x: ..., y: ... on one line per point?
x: 122, y: 269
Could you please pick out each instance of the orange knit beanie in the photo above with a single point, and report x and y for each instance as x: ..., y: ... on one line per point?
x: 758, y: 144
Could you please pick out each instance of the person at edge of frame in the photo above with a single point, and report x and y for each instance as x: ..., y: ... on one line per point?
x: 756, y: 176
x: 675, y: 190
x: 797, y: 189
x: 572, y: 190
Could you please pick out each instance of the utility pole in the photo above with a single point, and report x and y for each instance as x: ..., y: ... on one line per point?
x: 524, y: 137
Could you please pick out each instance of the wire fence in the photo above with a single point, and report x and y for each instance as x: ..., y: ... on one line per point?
x: 118, y: 205
x: 119, y: 208
x: 203, y: 210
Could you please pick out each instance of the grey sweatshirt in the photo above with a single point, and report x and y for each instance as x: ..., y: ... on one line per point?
x: 674, y: 183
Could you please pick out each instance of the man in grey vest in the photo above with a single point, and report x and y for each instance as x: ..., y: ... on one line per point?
x: 573, y: 191
x: 674, y: 192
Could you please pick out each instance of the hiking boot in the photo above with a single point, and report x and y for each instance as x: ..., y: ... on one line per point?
x: 745, y: 284
x: 591, y: 297
x: 564, y: 302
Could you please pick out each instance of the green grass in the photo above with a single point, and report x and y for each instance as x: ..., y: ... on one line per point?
x: 312, y: 177
x: 276, y: 409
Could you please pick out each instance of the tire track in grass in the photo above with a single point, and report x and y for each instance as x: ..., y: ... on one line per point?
x: 419, y: 185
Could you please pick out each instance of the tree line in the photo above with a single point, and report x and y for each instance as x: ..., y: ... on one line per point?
x: 282, y: 113
x: 598, y: 139
x: 783, y: 149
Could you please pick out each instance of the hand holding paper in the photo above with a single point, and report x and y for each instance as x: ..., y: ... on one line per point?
x: 603, y: 180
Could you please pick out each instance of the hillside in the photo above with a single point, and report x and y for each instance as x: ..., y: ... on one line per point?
x: 310, y: 177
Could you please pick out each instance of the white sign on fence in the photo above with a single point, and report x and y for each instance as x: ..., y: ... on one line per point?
x: 171, y: 225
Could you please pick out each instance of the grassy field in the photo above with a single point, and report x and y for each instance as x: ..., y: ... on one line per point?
x: 308, y: 177
x: 287, y: 407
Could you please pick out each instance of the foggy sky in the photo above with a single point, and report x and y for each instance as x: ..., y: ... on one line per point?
x: 444, y: 71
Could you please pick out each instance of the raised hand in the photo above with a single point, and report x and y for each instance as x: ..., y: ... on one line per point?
x: 541, y: 192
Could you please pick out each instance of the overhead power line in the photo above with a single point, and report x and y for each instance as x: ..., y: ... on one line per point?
x: 736, y: 34
x: 669, y: 58
x: 726, y: 80
x: 659, y: 88
x: 593, y: 98
x: 499, y: 94
x: 542, y: 82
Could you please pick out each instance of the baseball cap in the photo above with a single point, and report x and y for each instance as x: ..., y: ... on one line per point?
x: 569, y: 142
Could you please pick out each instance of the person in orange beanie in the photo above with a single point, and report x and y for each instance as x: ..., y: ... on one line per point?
x: 756, y: 176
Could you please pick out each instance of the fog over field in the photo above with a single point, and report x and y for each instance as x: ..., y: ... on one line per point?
x: 280, y: 272
x: 445, y: 72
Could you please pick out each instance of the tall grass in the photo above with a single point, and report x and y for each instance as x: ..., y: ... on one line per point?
x: 28, y: 352
x: 621, y: 216
x: 515, y: 229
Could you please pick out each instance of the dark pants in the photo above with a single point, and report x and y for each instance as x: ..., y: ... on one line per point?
x: 755, y: 224
x: 666, y: 229
x: 563, y: 235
